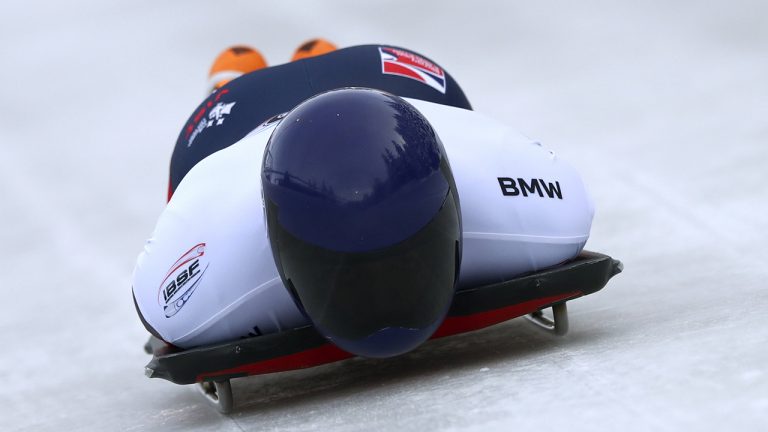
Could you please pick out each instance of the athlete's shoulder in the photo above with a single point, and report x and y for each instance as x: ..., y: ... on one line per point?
x: 452, y: 123
x: 232, y: 168
x: 213, y: 225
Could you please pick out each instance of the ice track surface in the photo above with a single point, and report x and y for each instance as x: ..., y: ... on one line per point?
x: 662, y: 106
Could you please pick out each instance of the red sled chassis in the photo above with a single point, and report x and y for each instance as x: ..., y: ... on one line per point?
x: 211, y: 367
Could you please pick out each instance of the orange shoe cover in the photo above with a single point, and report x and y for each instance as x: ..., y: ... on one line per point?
x: 233, y: 62
x: 312, y: 48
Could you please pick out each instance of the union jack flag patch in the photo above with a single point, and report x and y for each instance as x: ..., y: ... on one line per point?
x: 403, y: 63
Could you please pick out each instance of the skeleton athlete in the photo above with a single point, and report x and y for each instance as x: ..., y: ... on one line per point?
x: 355, y: 191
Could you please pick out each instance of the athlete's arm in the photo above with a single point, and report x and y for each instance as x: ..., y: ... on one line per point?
x: 523, y: 208
x: 207, y: 274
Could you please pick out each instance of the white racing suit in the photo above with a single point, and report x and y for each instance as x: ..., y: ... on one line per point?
x: 207, y: 273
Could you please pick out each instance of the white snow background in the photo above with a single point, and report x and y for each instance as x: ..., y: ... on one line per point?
x: 663, y: 106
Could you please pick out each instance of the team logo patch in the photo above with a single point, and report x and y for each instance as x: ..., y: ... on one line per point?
x: 407, y: 64
x: 213, y: 113
x: 182, y: 280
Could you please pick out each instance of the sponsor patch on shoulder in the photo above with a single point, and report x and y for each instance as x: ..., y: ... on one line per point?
x: 212, y: 113
x: 399, y: 62
x: 182, y: 280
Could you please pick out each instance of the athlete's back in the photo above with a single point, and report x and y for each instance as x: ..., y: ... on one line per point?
x: 233, y: 111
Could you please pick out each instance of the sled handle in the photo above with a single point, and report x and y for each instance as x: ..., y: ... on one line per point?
x: 218, y: 394
x: 557, y: 325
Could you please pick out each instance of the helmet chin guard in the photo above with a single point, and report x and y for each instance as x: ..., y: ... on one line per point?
x: 363, y: 219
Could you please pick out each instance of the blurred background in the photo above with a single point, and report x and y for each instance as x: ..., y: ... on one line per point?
x: 661, y: 105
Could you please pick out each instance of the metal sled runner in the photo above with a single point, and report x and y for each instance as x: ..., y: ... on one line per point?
x: 211, y: 367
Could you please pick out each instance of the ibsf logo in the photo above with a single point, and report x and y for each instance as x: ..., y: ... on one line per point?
x: 182, y: 280
x: 407, y: 64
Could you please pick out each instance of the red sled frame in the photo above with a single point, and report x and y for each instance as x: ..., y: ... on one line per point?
x: 211, y: 367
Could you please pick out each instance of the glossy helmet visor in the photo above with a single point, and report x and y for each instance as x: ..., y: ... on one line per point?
x: 363, y: 219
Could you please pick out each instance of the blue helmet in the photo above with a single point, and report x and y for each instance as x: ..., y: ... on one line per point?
x: 363, y: 219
